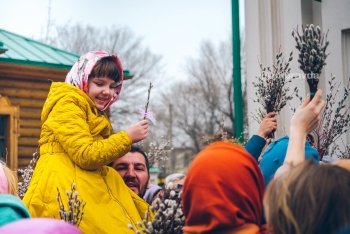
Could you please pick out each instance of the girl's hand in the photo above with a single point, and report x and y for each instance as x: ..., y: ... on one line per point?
x: 138, y: 131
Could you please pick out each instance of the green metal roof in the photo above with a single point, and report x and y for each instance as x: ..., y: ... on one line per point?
x: 23, y: 50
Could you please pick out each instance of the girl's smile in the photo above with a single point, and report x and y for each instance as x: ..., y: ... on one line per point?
x: 101, y: 90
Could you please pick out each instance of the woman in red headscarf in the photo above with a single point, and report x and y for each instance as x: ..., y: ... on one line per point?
x: 223, y: 192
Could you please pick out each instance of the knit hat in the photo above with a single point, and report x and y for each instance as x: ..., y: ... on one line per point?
x: 275, y: 154
x: 39, y: 226
x: 11, y: 209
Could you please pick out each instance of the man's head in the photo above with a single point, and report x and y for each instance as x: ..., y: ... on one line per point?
x: 133, y: 167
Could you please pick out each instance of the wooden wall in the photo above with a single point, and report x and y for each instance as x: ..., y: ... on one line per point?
x: 27, y: 87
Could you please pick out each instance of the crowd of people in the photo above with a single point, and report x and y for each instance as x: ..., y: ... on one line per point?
x: 262, y: 187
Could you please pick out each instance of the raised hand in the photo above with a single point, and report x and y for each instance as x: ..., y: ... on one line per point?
x: 306, y: 118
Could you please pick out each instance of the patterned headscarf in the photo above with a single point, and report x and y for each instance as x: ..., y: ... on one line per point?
x: 79, y: 73
x: 223, y: 190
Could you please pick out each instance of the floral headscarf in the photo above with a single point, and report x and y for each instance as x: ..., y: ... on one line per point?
x: 223, y: 191
x: 79, y: 73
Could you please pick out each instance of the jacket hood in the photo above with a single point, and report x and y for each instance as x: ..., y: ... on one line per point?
x: 59, y: 90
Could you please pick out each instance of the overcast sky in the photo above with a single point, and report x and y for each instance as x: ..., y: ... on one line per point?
x: 173, y: 29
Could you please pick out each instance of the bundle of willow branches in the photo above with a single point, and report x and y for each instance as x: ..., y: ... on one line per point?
x: 311, y: 44
x: 273, y: 86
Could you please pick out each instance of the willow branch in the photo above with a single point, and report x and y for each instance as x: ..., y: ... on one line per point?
x: 149, y: 94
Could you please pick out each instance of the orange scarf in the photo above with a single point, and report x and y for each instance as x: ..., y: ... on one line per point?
x: 223, y: 190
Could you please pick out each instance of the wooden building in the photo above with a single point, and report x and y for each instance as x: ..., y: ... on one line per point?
x: 27, y: 68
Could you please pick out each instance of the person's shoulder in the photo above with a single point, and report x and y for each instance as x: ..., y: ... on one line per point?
x: 279, y: 145
x: 67, y: 93
x: 151, y: 192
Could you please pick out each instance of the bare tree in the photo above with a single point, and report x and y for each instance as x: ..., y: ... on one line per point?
x: 212, y: 73
x: 201, y: 102
x: 188, y: 116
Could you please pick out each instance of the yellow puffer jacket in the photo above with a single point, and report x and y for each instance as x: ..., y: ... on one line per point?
x: 76, y: 143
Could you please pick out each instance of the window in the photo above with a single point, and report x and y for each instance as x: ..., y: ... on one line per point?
x: 9, y: 116
x: 3, y: 130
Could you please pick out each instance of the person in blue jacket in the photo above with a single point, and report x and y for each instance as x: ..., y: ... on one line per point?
x: 274, y: 155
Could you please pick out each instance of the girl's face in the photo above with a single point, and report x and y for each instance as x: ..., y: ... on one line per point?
x: 101, y: 90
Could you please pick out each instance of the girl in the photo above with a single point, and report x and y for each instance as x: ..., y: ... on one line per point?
x: 76, y: 144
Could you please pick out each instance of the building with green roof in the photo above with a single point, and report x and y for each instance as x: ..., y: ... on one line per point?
x: 26, y: 51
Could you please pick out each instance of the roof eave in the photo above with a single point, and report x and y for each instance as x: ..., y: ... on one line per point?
x: 36, y: 64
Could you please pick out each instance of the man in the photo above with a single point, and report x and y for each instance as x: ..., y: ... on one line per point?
x: 133, y: 167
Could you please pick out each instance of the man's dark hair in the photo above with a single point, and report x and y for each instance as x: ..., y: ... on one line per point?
x: 135, y: 148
